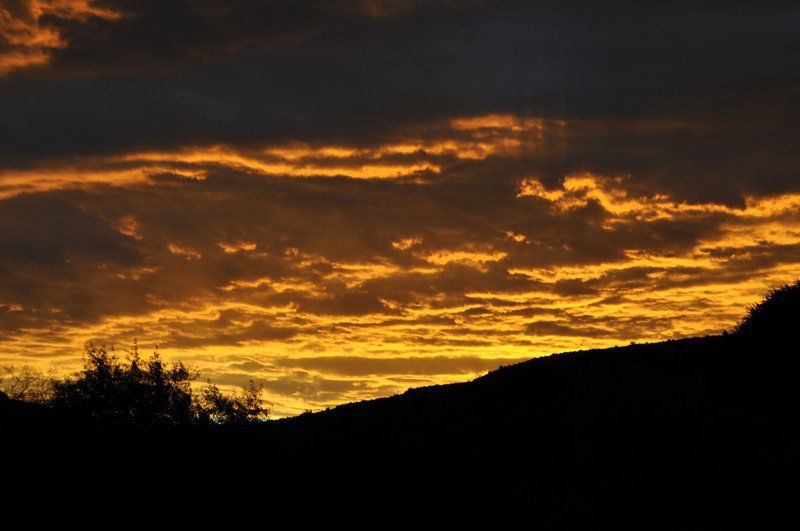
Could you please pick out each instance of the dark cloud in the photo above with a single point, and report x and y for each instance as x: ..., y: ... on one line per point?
x: 623, y: 328
x: 428, y: 365
x: 54, y: 229
x: 257, y: 331
x: 665, y: 92
x: 314, y: 389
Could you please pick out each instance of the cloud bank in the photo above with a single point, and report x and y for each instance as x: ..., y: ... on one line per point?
x: 343, y: 199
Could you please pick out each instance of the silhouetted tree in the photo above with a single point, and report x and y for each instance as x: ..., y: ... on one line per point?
x: 28, y: 384
x: 140, y: 392
x: 148, y: 392
x: 237, y: 408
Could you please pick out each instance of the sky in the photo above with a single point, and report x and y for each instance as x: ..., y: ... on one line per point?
x: 340, y: 200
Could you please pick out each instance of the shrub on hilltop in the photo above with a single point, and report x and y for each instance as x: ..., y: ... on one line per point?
x: 137, y: 391
x: 775, y: 317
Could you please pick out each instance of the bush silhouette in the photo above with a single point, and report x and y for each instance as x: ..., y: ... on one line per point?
x: 239, y: 408
x: 27, y: 384
x: 148, y: 392
x: 775, y: 317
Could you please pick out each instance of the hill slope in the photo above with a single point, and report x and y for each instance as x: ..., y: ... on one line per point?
x: 671, y: 429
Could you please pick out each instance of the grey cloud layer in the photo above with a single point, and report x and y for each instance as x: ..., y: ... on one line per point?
x: 182, y: 73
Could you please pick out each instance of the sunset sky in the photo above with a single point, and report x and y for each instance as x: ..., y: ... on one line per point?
x: 343, y: 199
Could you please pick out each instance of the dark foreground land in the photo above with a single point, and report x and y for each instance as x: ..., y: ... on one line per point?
x: 676, y: 435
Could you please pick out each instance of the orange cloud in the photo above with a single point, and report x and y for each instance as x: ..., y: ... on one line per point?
x: 424, y: 151
x: 399, y: 273
x: 29, y: 39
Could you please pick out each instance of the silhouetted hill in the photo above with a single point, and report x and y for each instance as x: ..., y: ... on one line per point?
x: 682, y: 434
x: 677, y: 428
